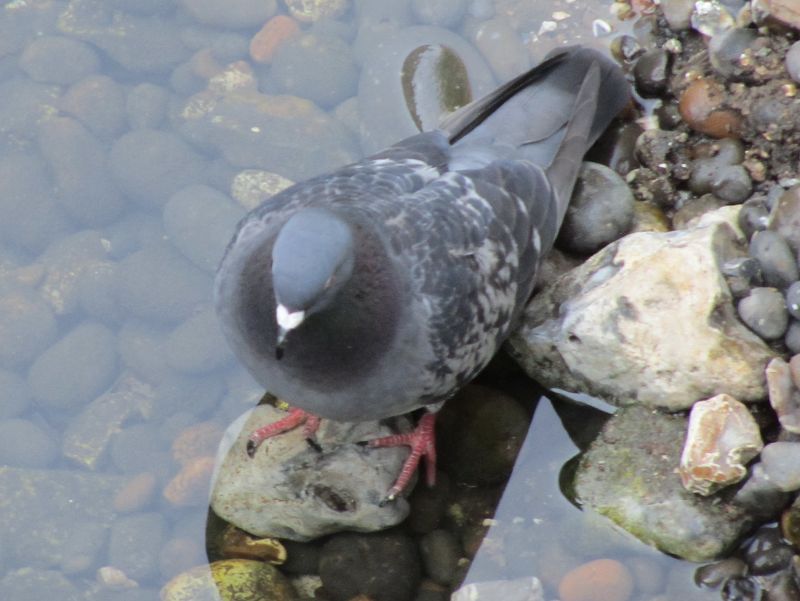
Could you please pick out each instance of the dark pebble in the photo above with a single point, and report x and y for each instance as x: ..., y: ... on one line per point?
x: 150, y: 166
x: 76, y: 369
x: 61, y: 60
x: 778, y: 263
x: 712, y: 575
x: 732, y: 184
x: 301, y: 558
x: 764, y: 312
x: 135, y: 544
x: 741, y: 589
x: 760, y: 495
x: 785, y: 217
x: 651, y: 72
x: 792, y: 337
x: 428, y: 504
x: 784, y: 587
x: 440, y: 553
x: 726, y: 48
x: 766, y: 552
x: 320, y: 68
x: 753, y: 216
x: 793, y: 300
x: 25, y: 444
x: 742, y: 274
x: 383, y: 567
x: 480, y: 440
x: 600, y: 212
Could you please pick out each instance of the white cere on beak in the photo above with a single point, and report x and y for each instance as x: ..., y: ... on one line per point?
x: 288, y: 320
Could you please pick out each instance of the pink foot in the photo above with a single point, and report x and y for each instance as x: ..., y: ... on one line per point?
x: 294, y: 418
x: 423, y: 444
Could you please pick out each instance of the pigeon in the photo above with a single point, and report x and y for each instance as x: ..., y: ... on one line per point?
x: 387, y: 285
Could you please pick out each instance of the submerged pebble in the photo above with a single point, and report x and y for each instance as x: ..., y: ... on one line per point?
x: 605, y: 579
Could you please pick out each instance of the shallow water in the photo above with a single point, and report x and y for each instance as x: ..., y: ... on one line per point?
x: 123, y: 128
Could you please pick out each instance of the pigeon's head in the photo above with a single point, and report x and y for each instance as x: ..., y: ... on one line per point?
x: 312, y: 258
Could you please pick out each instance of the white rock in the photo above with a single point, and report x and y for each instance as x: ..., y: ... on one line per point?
x: 648, y: 320
x: 289, y: 490
x: 722, y: 438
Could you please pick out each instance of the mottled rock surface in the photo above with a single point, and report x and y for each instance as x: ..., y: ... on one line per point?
x: 628, y: 475
x: 290, y: 490
x: 647, y: 320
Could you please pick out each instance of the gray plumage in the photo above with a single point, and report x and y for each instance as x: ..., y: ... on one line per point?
x: 410, y: 268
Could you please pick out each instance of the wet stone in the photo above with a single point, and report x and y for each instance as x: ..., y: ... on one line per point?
x: 764, y: 312
x: 520, y: 589
x: 440, y: 552
x: 793, y: 300
x: 316, y: 10
x: 78, y: 162
x: 317, y: 67
x: 95, y: 290
x: 31, y: 218
x: 26, y: 444
x: 741, y: 275
x: 600, y: 211
x: 785, y: 217
x: 98, y: 102
x: 150, y: 166
x: 384, y: 565
x: 62, y: 504
x: 598, y: 579
x: 712, y: 575
x: 200, y: 221
x: 33, y: 583
x: 197, y: 345
x: 760, y: 496
x: 61, y: 60
x: 27, y: 325
x: 651, y: 72
x: 444, y: 13
x: 753, y: 216
x: 732, y: 184
x: 726, y: 49
x: 87, y: 437
x: 781, y: 461
x: 783, y: 396
x: 146, y: 106
x: 481, y: 434
x: 158, y: 284
x: 232, y: 13
x: 778, y: 262
x: 230, y: 580
x: 138, y: 448
x: 741, y: 588
x: 677, y: 13
x: 767, y: 552
x: 792, y: 337
x: 15, y: 394
x: 135, y: 543
x: 76, y: 368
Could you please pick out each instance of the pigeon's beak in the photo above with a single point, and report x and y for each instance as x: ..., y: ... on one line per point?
x: 287, y: 321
